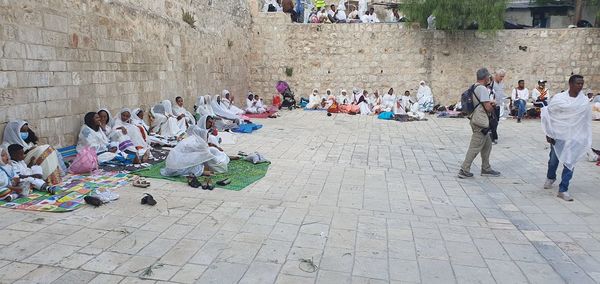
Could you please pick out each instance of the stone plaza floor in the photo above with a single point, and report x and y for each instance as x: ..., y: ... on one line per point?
x: 366, y: 200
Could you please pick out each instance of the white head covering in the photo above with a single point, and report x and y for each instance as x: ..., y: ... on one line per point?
x: 12, y: 134
x: 119, y: 121
x: 111, y: 122
x: 202, y: 121
x: 224, y: 92
x: 191, y: 151
x: 220, y: 109
x: 167, y: 106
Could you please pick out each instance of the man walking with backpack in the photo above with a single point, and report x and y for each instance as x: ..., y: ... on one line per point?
x: 477, y: 103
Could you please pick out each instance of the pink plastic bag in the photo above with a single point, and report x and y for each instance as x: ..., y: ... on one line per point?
x: 85, y: 162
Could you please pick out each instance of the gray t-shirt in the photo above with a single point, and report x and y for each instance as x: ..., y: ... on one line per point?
x: 499, y: 92
x: 482, y: 93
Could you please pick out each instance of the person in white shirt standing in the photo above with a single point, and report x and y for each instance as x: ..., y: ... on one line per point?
x: 520, y: 95
x: 567, y: 123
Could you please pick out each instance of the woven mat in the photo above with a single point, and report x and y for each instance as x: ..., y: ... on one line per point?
x: 241, y: 174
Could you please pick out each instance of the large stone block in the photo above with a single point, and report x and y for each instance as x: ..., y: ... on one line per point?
x: 56, y: 23
x: 33, y: 79
x: 14, y: 50
x: 40, y: 52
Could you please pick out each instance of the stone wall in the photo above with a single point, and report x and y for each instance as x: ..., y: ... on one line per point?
x: 62, y: 58
x: 380, y: 56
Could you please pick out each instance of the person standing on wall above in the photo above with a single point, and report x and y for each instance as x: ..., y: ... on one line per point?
x: 540, y: 94
x: 288, y: 7
x: 520, y: 95
x: 499, y: 96
x: 567, y: 124
x: 319, y: 4
x: 481, y: 141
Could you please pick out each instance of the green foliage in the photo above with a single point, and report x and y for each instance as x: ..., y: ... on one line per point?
x: 457, y: 14
x: 188, y: 18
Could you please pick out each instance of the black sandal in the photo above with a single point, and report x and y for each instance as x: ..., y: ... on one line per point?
x: 209, y: 185
x: 193, y: 181
x: 224, y: 182
x: 148, y: 199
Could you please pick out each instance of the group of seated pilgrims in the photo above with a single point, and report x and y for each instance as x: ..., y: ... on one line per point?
x: 361, y: 102
x: 128, y: 139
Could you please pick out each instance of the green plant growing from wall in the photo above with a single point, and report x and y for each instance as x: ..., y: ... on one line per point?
x: 188, y: 18
x: 457, y: 14
x: 289, y: 71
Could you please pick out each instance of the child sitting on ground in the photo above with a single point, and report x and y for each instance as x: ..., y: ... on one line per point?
x: 29, y: 176
x: 9, y: 184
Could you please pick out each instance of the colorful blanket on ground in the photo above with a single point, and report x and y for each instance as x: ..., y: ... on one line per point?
x: 70, y: 193
x: 260, y: 115
x: 158, y: 155
x: 311, y: 109
x: 247, y: 128
x: 241, y: 174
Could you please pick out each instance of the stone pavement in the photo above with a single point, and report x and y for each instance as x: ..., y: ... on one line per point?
x: 367, y: 201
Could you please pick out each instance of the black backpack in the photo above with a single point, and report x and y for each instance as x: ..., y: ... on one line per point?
x: 466, y: 100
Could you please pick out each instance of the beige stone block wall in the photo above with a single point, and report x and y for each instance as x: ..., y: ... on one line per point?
x: 60, y: 59
x: 380, y: 56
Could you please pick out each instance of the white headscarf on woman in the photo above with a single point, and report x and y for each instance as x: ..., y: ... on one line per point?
x: 12, y: 134
x: 109, y: 124
x: 136, y: 120
x: 424, y: 97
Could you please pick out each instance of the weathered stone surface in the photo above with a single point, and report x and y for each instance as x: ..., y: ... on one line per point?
x: 384, y: 56
x: 86, y: 55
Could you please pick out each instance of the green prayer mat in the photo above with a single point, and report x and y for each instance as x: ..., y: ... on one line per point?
x: 241, y: 173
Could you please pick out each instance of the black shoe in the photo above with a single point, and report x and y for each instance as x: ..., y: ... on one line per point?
x: 148, y: 199
x: 518, y: 120
x: 462, y: 174
x: 92, y: 200
x: 193, y: 181
x: 490, y: 173
x: 224, y: 182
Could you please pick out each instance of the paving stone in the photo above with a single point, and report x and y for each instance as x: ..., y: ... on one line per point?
x: 370, y: 267
x: 435, y: 271
x: 404, y: 270
x: 42, y: 274
x: 539, y: 272
x: 76, y: 276
x: 261, y: 272
x: 189, y: 273
x: 467, y: 274
x: 223, y: 272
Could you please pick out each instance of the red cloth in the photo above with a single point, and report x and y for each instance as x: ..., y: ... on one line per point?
x: 277, y: 101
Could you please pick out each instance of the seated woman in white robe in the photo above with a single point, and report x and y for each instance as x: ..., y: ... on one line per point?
x: 388, y: 102
x: 180, y: 111
x: 228, y: 101
x: 190, y: 156
x: 361, y: 101
x: 376, y: 102
x: 165, y: 122
x: 91, y: 135
x: 404, y: 103
x: 424, y: 97
x: 137, y: 119
x: 207, y: 123
x: 135, y: 133
x: 222, y: 112
x: 203, y: 106
x: 314, y: 100
x: 19, y: 132
x: 106, y: 121
x: 253, y: 105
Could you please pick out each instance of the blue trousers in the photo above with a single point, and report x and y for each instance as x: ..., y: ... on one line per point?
x: 520, y: 105
x: 553, y: 167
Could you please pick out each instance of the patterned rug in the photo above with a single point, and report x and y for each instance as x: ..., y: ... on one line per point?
x: 70, y: 195
x: 158, y: 155
x: 241, y: 174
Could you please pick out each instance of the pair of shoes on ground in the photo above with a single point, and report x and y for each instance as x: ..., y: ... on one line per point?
x: 489, y: 173
x: 562, y: 195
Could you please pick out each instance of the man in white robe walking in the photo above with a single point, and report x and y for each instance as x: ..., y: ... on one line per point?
x: 567, y: 124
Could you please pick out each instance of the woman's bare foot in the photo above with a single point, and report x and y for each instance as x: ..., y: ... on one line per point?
x: 208, y: 173
x: 234, y: 158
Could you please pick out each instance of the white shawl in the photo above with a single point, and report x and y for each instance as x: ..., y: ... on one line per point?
x: 568, y: 121
x: 190, y: 152
x: 424, y: 94
x: 133, y: 132
x: 12, y: 135
x: 177, y: 111
x: 220, y: 110
x: 90, y: 138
